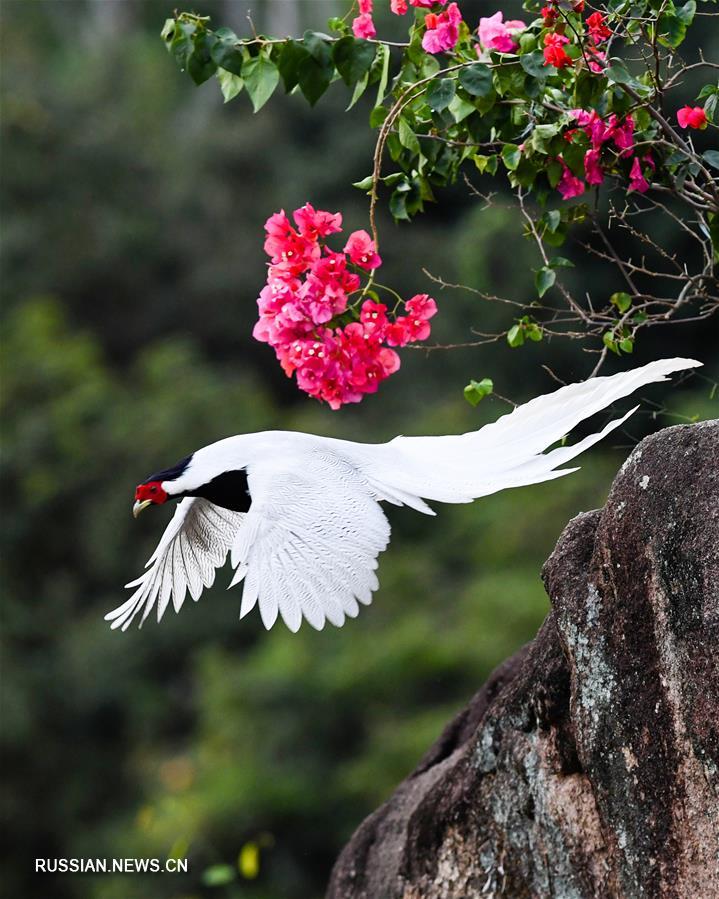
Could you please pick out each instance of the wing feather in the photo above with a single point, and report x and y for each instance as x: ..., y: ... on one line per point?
x: 308, y: 547
x: 194, y: 544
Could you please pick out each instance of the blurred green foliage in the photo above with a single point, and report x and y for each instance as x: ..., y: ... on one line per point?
x: 131, y: 259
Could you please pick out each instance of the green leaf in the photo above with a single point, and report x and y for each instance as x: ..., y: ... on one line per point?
x: 515, y: 336
x: 353, y: 58
x: 398, y: 205
x: 710, y: 107
x: 476, y: 391
x: 337, y: 24
x: 544, y: 279
x: 230, y: 84
x: 476, y: 79
x: 407, y: 137
x: 534, y: 332
x: 707, y: 91
x: 712, y: 158
x: 225, y: 52
x: 318, y: 46
x: 168, y: 30
x: 621, y: 300
x: 382, y: 51
x: 289, y: 61
x: 560, y: 262
x: 360, y: 88
x: 315, y: 69
x: 671, y: 30
x: 261, y: 77
x: 554, y: 174
x: 314, y: 78
x: 542, y: 135
x: 485, y: 163
x: 460, y: 109
x: 218, y: 875
x: 511, y: 155
x: 377, y: 116
x: 509, y: 80
x: 200, y: 64
x: 626, y: 345
x: 686, y: 13
x: 552, y: 219
x: 617, y: 73
x: 609, y: 342
x: 364, y: 184
x: 533, y: 64
x: 440, y: 93
x: 179, y: 41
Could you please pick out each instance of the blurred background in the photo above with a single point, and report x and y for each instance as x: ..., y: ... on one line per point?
x: 133, y: 206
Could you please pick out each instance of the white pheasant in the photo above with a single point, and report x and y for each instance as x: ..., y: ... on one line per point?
x: 300, y: 515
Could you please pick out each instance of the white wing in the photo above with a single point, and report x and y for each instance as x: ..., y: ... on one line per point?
x: 194, y: 544
x: 507, y: 453
x: 309, y: 544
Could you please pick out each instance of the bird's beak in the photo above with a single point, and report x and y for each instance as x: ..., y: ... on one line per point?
x: 139, y: 506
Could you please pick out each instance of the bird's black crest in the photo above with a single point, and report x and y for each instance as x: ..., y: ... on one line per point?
x: 170, y: 474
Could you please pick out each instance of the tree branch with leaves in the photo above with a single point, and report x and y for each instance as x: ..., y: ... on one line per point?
x: 576, y: 109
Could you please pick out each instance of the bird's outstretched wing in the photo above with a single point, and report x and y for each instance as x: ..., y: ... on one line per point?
x: 308, y: 546
x: 194, y: 544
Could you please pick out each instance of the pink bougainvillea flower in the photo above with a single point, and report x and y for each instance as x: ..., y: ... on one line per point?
x: 398, y: 7
x: 554, y: 53
x: 637, y: 174
x: 427, y: 4
x: 442, y: 30
x: 569, y: 185
x: 419, y: 311
x: 592, y: 169
x: 692, y: 117
x: 363, y: 26
x: 581, y: 116
x: 285, y: 246
x: 421, y: 305
x: 496, y: 34
x: 313, y: 224
x: 597, y: 27
x: 362, y: 251
x: 597, y: 60
x: 365, y: 7
x: 637, y: 181
x: 622, y: 134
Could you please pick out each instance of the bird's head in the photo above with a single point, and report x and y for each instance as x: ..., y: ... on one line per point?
x: 160, y: 487
x: 147, y: 494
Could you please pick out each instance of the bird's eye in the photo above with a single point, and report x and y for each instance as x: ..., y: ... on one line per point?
x: 153, y: 489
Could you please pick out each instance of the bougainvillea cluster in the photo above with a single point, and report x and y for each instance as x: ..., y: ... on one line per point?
x: 556, y: 39
x: 571, y: 97
x: 613, y: 134
x: 335, y: 337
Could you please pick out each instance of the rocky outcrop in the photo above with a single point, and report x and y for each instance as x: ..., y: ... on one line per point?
x: 588, y: 764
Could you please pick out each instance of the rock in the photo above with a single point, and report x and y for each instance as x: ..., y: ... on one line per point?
x: 588, y: 764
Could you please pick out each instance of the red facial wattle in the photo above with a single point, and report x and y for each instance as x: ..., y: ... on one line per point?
x: 151, y: 491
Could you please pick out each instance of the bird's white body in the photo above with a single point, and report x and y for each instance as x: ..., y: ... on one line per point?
x: 308, y: 545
